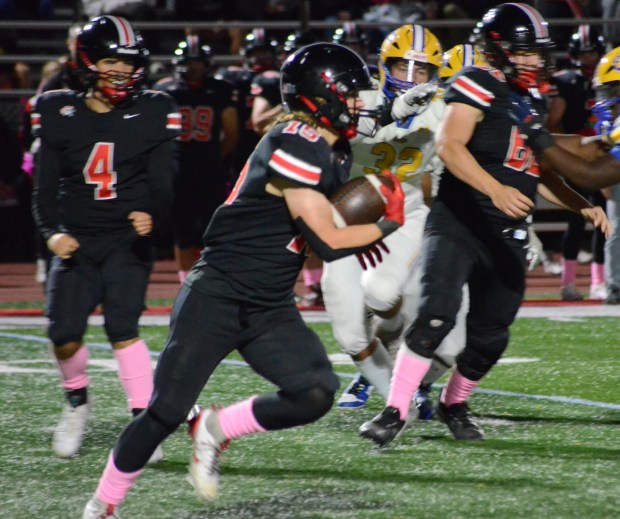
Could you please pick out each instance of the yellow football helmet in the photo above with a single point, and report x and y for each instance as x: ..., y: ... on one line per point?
x: 606, y: 84
x: 458, y: 57
x: 412, y: 43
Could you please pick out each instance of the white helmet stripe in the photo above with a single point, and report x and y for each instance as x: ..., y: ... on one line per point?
x: 468, y: 55
x: 540, y: 26
x: 126, y: 36
x: 418, y: 38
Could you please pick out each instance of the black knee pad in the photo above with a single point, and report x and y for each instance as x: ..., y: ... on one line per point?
x: 284, y: 409
x: 425, y: 335
x: 484, y: 348
x: 317, y: 401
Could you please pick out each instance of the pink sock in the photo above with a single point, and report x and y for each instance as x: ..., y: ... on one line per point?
x: 597, y: 273
x: 73, y: 370
x: 409, y: 370
x: 135, y: 373
x: 569, y: 272
x: 457, y: 389
x: 114, y: 484
x: 182, y: 276
x: 238, y: 419
x: 312, y: 276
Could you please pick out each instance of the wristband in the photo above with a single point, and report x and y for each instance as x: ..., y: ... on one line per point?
x: 387, y: 227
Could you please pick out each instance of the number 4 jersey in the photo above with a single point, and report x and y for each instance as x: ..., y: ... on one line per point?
x: 96, y: 168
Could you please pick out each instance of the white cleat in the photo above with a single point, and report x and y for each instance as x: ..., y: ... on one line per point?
x: 97, y: 509
x: 204, y: 468
x: 157, y: 456
x: 69, y: 432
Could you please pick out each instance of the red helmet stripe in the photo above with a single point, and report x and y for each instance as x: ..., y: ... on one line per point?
x: 584, y: 35
x: 126, y: 36
x: 540, y: 26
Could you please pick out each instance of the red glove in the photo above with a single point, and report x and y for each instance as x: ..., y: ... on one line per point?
x: 395, y: 205
x: 373, y: 255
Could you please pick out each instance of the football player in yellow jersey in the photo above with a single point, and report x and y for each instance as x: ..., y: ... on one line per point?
x: 358, y: 300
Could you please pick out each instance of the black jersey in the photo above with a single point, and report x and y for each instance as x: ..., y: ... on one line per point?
x: 96, y: 168
x: 252, y: 240
x: 241, y: 79
x: 496, y: 144
x: 201, y: 123
x: 577, y: 92
x: 267, y: 85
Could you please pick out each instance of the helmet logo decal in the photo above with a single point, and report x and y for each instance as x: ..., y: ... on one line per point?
x: 416, y: 56
x: 67, y: 111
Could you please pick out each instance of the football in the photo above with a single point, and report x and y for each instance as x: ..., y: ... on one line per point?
x: 360, y: 201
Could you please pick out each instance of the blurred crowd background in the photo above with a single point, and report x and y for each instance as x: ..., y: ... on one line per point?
x: 35, y: 43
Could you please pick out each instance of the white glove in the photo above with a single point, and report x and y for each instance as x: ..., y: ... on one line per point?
x: 612, y: 137
x: 410, y: 102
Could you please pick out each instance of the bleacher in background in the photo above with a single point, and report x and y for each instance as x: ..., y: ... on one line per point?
x: 40, y: 41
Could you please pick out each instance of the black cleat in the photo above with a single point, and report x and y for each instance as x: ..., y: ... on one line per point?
x: 384, y: 427
x: 460, y: 422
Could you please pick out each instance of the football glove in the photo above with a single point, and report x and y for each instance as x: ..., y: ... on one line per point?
x: 373, y: 255
x: 410, y: 102
x: 612, y: 135
x: 394, y: 214
x: 531, y: 124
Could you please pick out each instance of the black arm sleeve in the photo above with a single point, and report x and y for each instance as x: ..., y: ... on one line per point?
x: 324, y: 251
x: 45, y: 191
x: 161, y: 167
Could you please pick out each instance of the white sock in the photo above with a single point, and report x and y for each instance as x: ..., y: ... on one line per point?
x: 377, y: 369
x: 435, y: 372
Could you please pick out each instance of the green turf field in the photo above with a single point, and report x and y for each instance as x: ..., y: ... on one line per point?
x: 546, y: 456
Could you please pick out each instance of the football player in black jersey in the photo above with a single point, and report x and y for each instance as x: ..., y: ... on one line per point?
x: 570, y: 111
x: 259, y: 53
x: 103, y: 181
x: 209, y: 134
x: 239, y: 296
x: 476, y: 231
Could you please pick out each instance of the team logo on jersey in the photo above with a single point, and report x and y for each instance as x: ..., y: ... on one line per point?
x: 67, y: 111
x: 616, y: 64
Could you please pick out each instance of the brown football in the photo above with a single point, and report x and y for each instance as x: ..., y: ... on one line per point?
x: 359, y: 200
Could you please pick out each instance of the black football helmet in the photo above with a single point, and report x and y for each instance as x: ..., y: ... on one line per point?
x: 318, y: 78
x: 260, y: 50
x: 586, y: 39
x: 510, y: 28
x: 107, y: 36
x: 296, y: 40
x: 191, y: 50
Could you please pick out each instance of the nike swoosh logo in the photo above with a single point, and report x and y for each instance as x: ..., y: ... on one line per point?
x: 129, y: 116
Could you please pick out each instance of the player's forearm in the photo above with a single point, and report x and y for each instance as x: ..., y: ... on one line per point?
x: 161, y: 168
x: 45, y: 209
x: 600, y: 173
x: 555, y: 190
